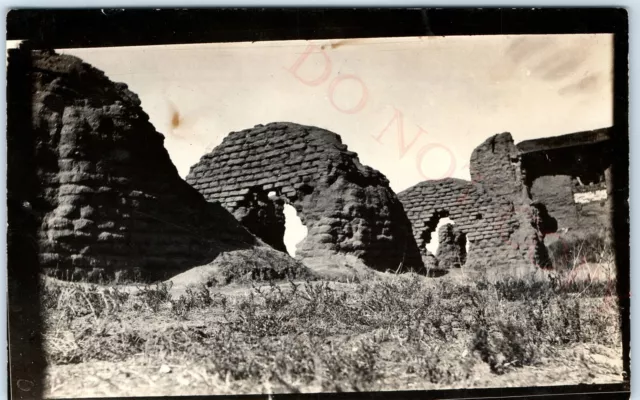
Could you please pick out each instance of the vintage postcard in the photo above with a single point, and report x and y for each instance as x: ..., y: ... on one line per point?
x: 349, y: 214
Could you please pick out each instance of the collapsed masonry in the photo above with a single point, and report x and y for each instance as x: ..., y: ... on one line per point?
x: 493, y: 212
x: 348, y: 208
x: 107, y: 198
x: 571, y: 175
x: 452, y: 252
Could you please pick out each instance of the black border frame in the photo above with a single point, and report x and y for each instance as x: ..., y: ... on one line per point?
x: 72, y: 28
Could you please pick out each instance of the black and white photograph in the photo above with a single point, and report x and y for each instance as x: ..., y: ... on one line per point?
x: 350, y: 213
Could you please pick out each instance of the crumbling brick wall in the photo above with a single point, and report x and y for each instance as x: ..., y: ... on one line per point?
x: 503, y: 227
x: 496, y: 165
x: 109, y: 200
x: 487, y: 223
x: 578, y: 208
x: 556, y: 192
x: 347, y: 208
x: 570, y: 174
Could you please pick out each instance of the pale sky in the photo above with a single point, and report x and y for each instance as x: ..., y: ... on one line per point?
x: 446, y: 94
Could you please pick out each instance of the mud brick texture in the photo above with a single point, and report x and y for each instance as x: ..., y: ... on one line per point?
x: 505, y: 229
x: 347, y: 208
x: 110, y: 201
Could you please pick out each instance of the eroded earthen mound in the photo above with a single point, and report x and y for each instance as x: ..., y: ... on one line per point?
x: 109, y: 201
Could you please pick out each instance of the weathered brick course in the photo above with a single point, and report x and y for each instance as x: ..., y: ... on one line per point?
x: 492, y: 211
x: 345, y: 206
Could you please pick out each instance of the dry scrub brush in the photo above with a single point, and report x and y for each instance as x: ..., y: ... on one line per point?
x: 325, y: 336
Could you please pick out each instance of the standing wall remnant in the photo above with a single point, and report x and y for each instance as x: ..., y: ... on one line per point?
x: 348, y: 208
x: 505, y: 229
x: 108, y: 200
x: 495, y: 164
x: 557, y: 193
x: 570, y: 174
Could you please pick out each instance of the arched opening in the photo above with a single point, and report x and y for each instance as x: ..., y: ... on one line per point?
x: 271, y: 217
x: 456, y: 243
x: 452, y: 248
x: 433, y: 244
x: 294, y: 229
x: 432, y: 225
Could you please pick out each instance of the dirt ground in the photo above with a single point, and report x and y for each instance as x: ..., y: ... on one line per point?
x: 576, y: 365
x: 165, y: 367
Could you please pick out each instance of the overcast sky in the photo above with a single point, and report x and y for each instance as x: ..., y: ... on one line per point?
x: 443, y: 95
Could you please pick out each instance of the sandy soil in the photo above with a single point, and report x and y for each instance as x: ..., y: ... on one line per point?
x: 578, y: 364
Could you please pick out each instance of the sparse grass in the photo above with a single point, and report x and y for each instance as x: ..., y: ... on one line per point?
x: 569, y: 251
x: 328, y: 336
x: 259, y: 264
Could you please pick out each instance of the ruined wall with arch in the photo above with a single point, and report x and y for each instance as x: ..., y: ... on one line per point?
x: 487, y: 223
x: 348, y: 208
x: 503, y: 226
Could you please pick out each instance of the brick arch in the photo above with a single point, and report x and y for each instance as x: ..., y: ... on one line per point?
x: 504, y: 227
x: 264, y: 216
x: 430, y: 227
x: 347, y: 208
x: 489, y: 236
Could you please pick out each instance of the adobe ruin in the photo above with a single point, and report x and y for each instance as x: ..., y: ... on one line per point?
x: 571, y: 175
x: 504, y: 228
x: 107, y: 199
x: 348, y: 208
